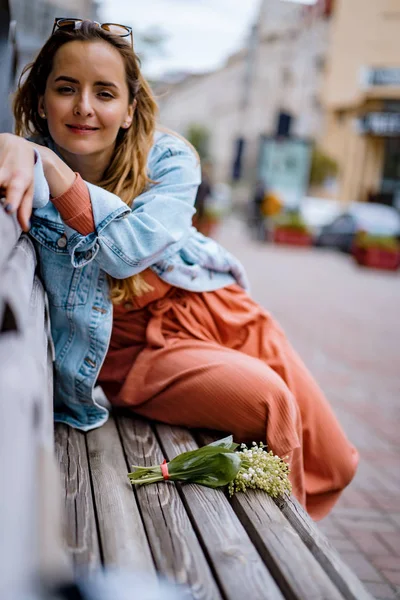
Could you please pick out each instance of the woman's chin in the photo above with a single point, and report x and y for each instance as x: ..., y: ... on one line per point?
x: 81, y: 146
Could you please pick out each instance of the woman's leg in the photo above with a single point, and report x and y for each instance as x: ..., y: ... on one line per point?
x: 201, y: 384
x: 330, y: 460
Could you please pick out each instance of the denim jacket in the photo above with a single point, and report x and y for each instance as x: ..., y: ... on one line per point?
x: 156, y: 232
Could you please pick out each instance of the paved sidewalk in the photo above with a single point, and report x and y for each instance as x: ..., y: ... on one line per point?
x: 345, y: 323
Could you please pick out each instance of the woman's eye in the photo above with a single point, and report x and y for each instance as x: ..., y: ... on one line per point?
x: 106, y: 95
x: 65, y: 89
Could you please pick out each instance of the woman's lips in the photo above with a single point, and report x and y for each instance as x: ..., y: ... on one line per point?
x: 81, y: 130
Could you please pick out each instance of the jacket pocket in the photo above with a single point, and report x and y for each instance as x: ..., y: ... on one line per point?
x: 66, y: 285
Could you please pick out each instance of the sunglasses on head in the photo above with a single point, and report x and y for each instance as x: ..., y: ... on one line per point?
x: 113, y: 28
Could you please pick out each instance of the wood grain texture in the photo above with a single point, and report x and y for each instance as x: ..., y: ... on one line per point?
x: 9, y: 233
x: 18, y: 465
x: 236, y: 563
x: 327, y: 556
x: 297, y: 572
x: 80, y: 532
x: 17, y: 280
x: 294, y: 568
x: 28, y: 542
x: 175, y: 547
x: 123, y: 538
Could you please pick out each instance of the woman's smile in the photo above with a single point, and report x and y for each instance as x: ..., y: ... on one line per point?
x: 82, y: 129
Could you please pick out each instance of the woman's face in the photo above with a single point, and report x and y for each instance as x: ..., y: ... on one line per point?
x: 86, y: 100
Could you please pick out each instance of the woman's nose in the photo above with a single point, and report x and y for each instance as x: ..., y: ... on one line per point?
x: 83, y: 107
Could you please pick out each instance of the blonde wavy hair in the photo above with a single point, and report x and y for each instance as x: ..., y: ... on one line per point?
x: 126, y: 176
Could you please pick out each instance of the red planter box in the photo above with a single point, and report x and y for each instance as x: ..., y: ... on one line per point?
x: 292, y: 237
x: 377, y: 258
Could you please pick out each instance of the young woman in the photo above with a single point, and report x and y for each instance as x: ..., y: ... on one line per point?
x: 141, y: 303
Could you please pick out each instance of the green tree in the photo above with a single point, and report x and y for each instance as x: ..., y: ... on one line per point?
x: 322, y: 167
x: 199, y: 136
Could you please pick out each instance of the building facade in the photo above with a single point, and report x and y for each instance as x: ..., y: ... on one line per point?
x: 332, y: 68
x: 34, y: 21
x: 361, y: 96
x: 279, y: 72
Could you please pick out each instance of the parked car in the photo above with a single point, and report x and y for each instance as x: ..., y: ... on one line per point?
x: 317, y: 212
x: 374, y: 219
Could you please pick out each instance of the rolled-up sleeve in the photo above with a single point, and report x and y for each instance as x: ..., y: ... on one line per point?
x: 41, y: 192
x: 126, y: 241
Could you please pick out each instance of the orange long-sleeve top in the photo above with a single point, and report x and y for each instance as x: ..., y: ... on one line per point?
x: 75, y: 207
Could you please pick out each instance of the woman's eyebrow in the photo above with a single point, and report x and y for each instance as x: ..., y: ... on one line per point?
x: 72, y: 80
x: 106, y: 84
x: 66, y: 78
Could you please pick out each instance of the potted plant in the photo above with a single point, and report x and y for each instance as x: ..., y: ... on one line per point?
x: 290, y: 228
x: 377, y: 251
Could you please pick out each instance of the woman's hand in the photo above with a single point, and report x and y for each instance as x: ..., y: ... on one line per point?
x: 17, y: 159
x: 58, y: 174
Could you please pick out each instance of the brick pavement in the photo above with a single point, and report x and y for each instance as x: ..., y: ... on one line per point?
x: 345, y: 323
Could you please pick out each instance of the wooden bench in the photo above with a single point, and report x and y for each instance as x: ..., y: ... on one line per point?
x: 216, y: 547
x: 220, y: 548
x: 30, y: 532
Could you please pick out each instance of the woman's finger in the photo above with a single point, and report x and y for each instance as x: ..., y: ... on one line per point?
x: 15, y: 191
x: 25, y: 209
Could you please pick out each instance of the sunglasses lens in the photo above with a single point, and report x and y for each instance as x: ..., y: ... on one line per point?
x: 68, y: 23
x: 116, y: 29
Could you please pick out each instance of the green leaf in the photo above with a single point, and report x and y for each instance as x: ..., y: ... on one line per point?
x: 222, y: 469
x: 213, y: 465
x: 226, y: 442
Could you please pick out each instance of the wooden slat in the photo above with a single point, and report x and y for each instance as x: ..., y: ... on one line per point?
x: 42, y: 348
x: 53, y: 560
x: 9, y: 233
x: 26, y: 451
x: 236, y: 563
x: 294, y: 568
x: 16, y: 283
x: 327, y: 556
x: 175, y: 547
x: 18, y: 464
x: 123, y: 538
x: 80, y: 532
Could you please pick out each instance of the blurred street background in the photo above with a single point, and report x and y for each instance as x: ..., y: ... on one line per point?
x: 294, y: 109
x: 344, y: 322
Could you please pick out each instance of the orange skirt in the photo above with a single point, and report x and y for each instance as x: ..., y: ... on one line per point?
x: 218, y: 360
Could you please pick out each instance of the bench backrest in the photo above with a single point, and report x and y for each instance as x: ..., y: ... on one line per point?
x: 29, y: 499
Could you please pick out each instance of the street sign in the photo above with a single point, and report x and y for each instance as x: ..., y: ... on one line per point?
x: 384, y: 124
x: 385, y: 76
x: 284, y: 166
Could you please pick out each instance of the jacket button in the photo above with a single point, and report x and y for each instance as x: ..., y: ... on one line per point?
x: 62, y: 242
x: 128, y: 305
x: 169, y: 269
x: 88, y: 255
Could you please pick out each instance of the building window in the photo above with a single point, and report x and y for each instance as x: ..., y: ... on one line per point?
x: 321, y: 8
x: 287, y: 76
x: 320, y: 62
x: 340, y: 116
x: 316, y: 102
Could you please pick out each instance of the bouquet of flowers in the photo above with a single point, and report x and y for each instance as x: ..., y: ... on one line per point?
x: 222, y: 463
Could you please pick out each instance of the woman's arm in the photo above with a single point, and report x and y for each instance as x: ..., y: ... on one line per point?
x: 57, y: 173
x: 17, y: 160
x: 21, y: 179
x: 126, y: 241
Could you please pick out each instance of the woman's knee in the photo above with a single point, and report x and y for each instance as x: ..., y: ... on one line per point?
x: 257, y: 399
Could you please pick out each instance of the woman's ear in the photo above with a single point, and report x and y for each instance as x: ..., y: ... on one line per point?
x: 41, y: 109
x: 129, y: 115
